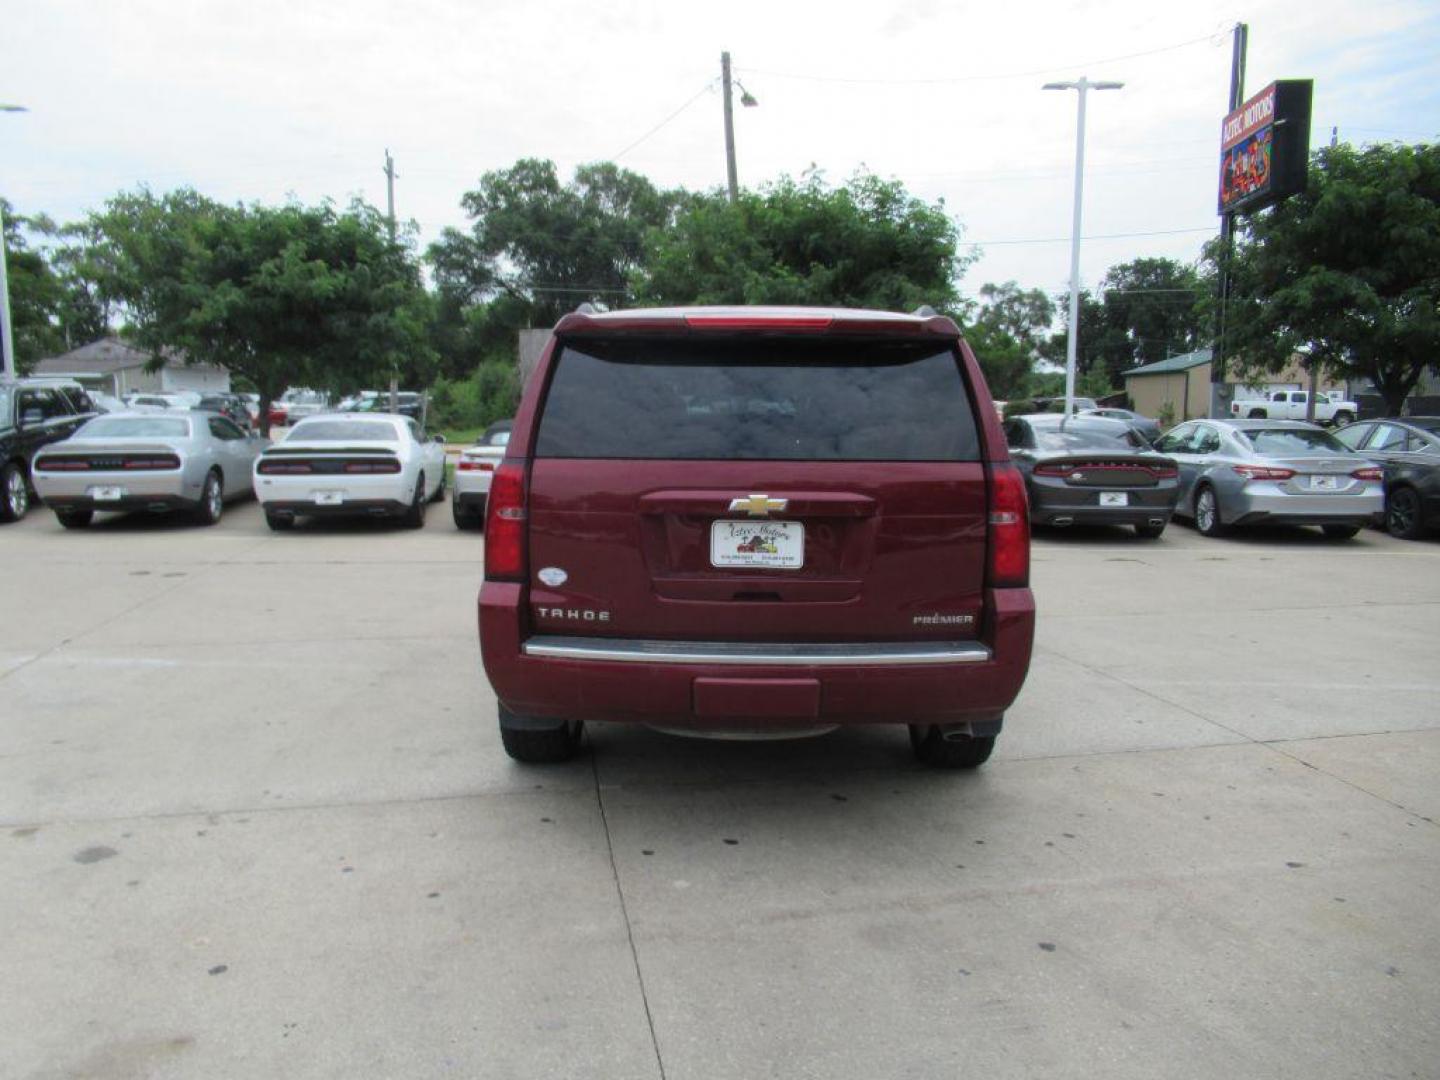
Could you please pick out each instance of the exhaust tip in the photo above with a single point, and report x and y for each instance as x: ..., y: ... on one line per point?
x: 1062, y: 521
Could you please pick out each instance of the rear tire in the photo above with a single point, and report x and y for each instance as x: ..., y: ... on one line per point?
x: 1256, y: 414
x: 1207, y: 513
x: 1402, y: 513
x: 414, y: 518
x: 541, y: 746
x: 1149, y: 532
x: 212, y: 501
x: 467, y: 517
x: 1340, y: 532
x: 279, y: 522
x: 74, y: 519
x: 932, y: 748
x: 1343, y: 418
x: 14, y: 494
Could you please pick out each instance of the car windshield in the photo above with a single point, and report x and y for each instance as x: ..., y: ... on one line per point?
x: 1425, y: 423
x: 1069, y: 441
x: 343, y: 431
x: 4, y: 405
x: 135, y: 427
x: 498, y: 438
x: 1293, y: 441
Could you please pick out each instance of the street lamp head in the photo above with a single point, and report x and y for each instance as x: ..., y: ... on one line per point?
x: 1107, y: 86
x: 12, y: 108
x: 747, y: 99
x: 1060, y: 86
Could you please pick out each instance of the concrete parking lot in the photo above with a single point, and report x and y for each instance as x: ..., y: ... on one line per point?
x: 257, y: 823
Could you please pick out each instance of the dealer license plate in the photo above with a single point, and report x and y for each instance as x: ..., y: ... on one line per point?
x: 1114, y: 498
x: 329, y: 498
x: 105, y: 494
x: 1323, y: 483
x: 767, y: 545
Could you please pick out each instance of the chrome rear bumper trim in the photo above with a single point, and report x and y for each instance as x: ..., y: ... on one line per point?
x: 820, y: 654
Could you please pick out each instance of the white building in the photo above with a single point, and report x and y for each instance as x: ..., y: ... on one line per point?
x: 113, y: 367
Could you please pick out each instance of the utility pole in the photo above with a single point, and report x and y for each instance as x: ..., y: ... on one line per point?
x: 1072, y: 338
x: 390, y: 216
x: 729, y: 128
x: 1239, y: 42
x: 7, y: 334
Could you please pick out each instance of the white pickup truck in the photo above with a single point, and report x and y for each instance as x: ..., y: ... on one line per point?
x: 1291, y: 405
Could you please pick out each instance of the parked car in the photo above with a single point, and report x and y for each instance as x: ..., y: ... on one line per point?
x: 339, y: 463
x: 474, y: 470
x: 158, y: 400
x: 33, y: 414
x: 1146, y: 425
x: 623, y: 578
x: 191, y: 461
x: 297, y: 403
x: 1284, y: 472
x: 1294, y: 405
x: 230, y: 406
x: 1408, y: 450
x: 1081, y: 471
x: 407, y: 403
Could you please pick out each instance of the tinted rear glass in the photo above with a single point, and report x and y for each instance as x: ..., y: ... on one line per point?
x: 134, y: 427
x: 770, y: 398
x: 1293, y: 441
x: 342, y: 431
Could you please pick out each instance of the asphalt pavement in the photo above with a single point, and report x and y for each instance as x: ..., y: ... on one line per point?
x: 255, y: 821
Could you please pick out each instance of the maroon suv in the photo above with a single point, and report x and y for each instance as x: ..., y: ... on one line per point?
x: 763, y: 519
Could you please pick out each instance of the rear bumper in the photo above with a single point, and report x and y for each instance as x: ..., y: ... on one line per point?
x: 475, y: 483
x: 168, y: 489
x: 1281, y: 509
x: 1053, y: 502
x: 706, y: 684
x: 301, y: 508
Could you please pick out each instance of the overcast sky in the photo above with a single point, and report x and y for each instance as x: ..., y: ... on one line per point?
x: 268, y: 98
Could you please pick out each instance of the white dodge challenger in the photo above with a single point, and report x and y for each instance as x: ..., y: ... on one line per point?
x: 376, y: 464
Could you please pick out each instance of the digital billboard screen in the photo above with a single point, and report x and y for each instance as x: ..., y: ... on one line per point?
x: 1265, y: 147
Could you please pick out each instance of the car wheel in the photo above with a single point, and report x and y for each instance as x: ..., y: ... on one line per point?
x: 540, y: 746
x: 467, y: 517
x: 414, y: 517
x: 1402, y: 513
x: 1341, y: 532
x: 279, y: 522
x: 14, y: 495
x: 1257, y: 414
x: 439, y: 491
x: 1343, y: 418
x: 1207, y: 513
x: 1149, y: 532
x: 956, y: 752
x: 212, y: 501
x: 74, y: 519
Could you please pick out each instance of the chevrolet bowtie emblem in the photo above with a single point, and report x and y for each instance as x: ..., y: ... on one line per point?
x: 759, y: 505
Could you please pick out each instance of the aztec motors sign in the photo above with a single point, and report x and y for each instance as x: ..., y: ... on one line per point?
x: 1265, y: 147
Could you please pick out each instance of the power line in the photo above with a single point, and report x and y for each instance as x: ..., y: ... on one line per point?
x: 978, y: 78
x: 1097, y: 236
x: 700, y: 93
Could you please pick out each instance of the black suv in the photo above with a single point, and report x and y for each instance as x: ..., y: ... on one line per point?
x: 33, y: 413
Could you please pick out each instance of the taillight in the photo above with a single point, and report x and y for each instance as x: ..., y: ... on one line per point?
x: 1370, y: 473
x: 1263, y: 472
x: 284, y: 468
x: 472, y: 465
x: 167, y: 461
x: 1165, y: 472
x: 1009, y: 528
x: 759, y: 322
x: 505, y: 524
x: 1054, y: 470
x: 60, y: 464
x: 372, y: 466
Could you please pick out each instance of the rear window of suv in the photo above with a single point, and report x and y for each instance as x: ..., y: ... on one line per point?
x: 777, y: 399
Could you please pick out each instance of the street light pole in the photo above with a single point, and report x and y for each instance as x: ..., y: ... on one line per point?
x: 1072, y: 337
x: 7, y: 337
x: 748, y: 100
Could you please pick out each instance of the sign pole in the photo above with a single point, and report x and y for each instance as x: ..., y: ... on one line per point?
x: 1240, y: 42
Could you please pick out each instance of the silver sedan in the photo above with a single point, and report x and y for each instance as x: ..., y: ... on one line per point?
x: 191, y: 461
x: 1283, y: 472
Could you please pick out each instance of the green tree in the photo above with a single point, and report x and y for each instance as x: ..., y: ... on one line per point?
x: 36, y: 294
x: 1148, y: 309
x: 282, y: 296
x: 1007, y: 329
x: 1348, y: 271
x: 536, y: 249
x: 867, y: 243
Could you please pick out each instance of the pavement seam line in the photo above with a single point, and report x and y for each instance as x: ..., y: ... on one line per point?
x: 1272, y: 745
x: 625, y: 912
